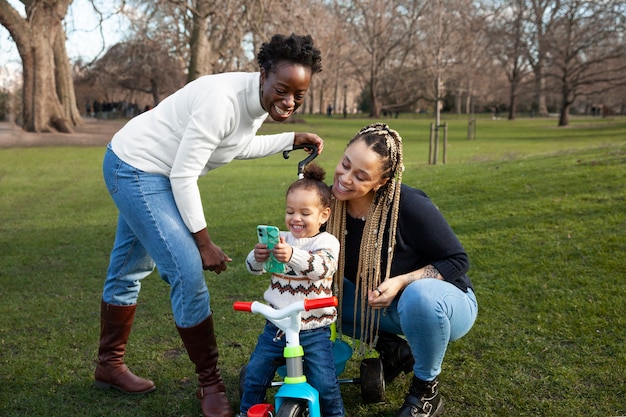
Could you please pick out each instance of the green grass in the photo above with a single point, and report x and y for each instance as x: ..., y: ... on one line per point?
x: 540, y: 210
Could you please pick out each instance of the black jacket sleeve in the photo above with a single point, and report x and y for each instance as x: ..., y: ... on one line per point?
x: 424, y: 237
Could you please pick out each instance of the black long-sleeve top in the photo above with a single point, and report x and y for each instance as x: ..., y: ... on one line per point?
x: 423, y: 237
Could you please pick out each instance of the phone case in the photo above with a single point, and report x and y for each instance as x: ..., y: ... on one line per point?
x: 270, y: 235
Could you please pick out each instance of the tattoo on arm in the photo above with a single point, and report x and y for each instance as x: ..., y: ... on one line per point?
x: 430, y: 272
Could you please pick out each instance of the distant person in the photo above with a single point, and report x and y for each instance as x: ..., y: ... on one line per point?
x: 151, y: 169
x: 404, y: 270
x: 96, y: 108
x: 310, y: 258
x: 329, y: 110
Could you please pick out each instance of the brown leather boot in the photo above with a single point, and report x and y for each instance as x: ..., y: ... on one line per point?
x: 202, y: 349
x: 111, y: 371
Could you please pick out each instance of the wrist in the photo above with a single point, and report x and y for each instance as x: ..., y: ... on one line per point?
x: 202, y: 238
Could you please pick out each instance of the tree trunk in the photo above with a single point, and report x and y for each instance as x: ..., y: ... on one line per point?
x: 43, y: 112
x: 35, y: 38
x: 564, y: 115
x: 154, y: 89
x: 375, y: 109
x: 65, y: 82
x: 468, y: 99
x: 513, y: 101
x: 540, y: 95
x: 199, y: 46
x: 375, y: 104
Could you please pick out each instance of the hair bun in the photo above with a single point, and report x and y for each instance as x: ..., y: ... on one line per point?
x: 312, y: 171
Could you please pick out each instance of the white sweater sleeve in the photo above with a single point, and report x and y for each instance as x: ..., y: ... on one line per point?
x: 254, y: 267
x: 208, y: 125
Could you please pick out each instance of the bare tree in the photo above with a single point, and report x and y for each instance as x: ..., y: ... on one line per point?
x: 475, y: 70
x: 384, y: 30
x: 48, y: 93
x: 207, y: 35
x: 588, y: 50
x: 541, y: 20
x: 507, y: 35
x: 439, y: 47
x: 199, y: 47
x: 142, y: 65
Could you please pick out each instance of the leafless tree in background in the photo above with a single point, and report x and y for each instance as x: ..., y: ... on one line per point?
x: 475, y: 70
x: 384, y: 30
x: 391, y: 54
x: 587, y: 50
x: 142, y: 65
x: 541, y: 19
x: 439, y: 47
x: 48, y: 92
x: 506, y: 30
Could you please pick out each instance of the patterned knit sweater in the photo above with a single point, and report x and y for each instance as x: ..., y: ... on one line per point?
x: 308, y: 274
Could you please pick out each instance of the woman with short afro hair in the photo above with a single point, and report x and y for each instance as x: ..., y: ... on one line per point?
x: 151, y: 168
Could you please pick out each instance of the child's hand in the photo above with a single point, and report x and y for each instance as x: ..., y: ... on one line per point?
x: 282, y: 251
x: 261, y: 252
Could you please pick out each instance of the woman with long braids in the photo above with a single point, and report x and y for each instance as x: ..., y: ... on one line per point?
x: 403, y: 268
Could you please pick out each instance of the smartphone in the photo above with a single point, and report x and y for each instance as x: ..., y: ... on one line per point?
x: 270, y: 236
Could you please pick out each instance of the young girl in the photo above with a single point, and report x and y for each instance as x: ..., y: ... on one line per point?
x: 310, y: 258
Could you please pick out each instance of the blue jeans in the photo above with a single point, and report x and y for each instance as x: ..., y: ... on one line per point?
x: 150, y: 231
x: 430, y: 313
x: 319, y: 368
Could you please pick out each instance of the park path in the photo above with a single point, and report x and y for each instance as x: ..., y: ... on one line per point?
x: 93, y: 132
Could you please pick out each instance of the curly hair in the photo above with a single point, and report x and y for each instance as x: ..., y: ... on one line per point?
x: 298, y: 49
x: 313, y: 180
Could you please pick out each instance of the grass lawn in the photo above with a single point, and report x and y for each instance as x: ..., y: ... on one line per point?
x: 541, y: 211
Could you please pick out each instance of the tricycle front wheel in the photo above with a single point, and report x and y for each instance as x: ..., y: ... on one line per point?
x: 292, y: 407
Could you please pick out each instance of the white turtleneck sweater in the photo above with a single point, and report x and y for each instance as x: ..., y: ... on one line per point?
x: 204, y: 125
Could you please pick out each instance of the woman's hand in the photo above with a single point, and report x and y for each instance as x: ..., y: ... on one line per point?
x: 384, y: 294
x: 213, y: 258
x: 301, y: 138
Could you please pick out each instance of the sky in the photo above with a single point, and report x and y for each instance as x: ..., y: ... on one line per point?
x: 83, y: 36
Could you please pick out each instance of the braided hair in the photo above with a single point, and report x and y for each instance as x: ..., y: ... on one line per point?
x: 382, y: 215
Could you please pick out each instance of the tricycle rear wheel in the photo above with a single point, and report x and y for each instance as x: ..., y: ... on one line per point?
x: 372, y: 381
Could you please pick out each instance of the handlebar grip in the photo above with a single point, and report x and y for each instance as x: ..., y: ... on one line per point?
x: 320, y: 303
x: 308, y: 146
x: 311, y: 147
x: 243, y: 305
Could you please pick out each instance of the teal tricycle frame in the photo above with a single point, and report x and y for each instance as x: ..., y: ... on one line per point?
x: 295, y: 395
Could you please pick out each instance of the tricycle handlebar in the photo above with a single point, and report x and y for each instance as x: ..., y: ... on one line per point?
x: 313, y: 151
x: 269, y: 312
x: 314, y: 303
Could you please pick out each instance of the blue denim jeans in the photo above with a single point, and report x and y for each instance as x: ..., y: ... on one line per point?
x: 150, y: 231
x: 430, y: 313
x: 319, y: 368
